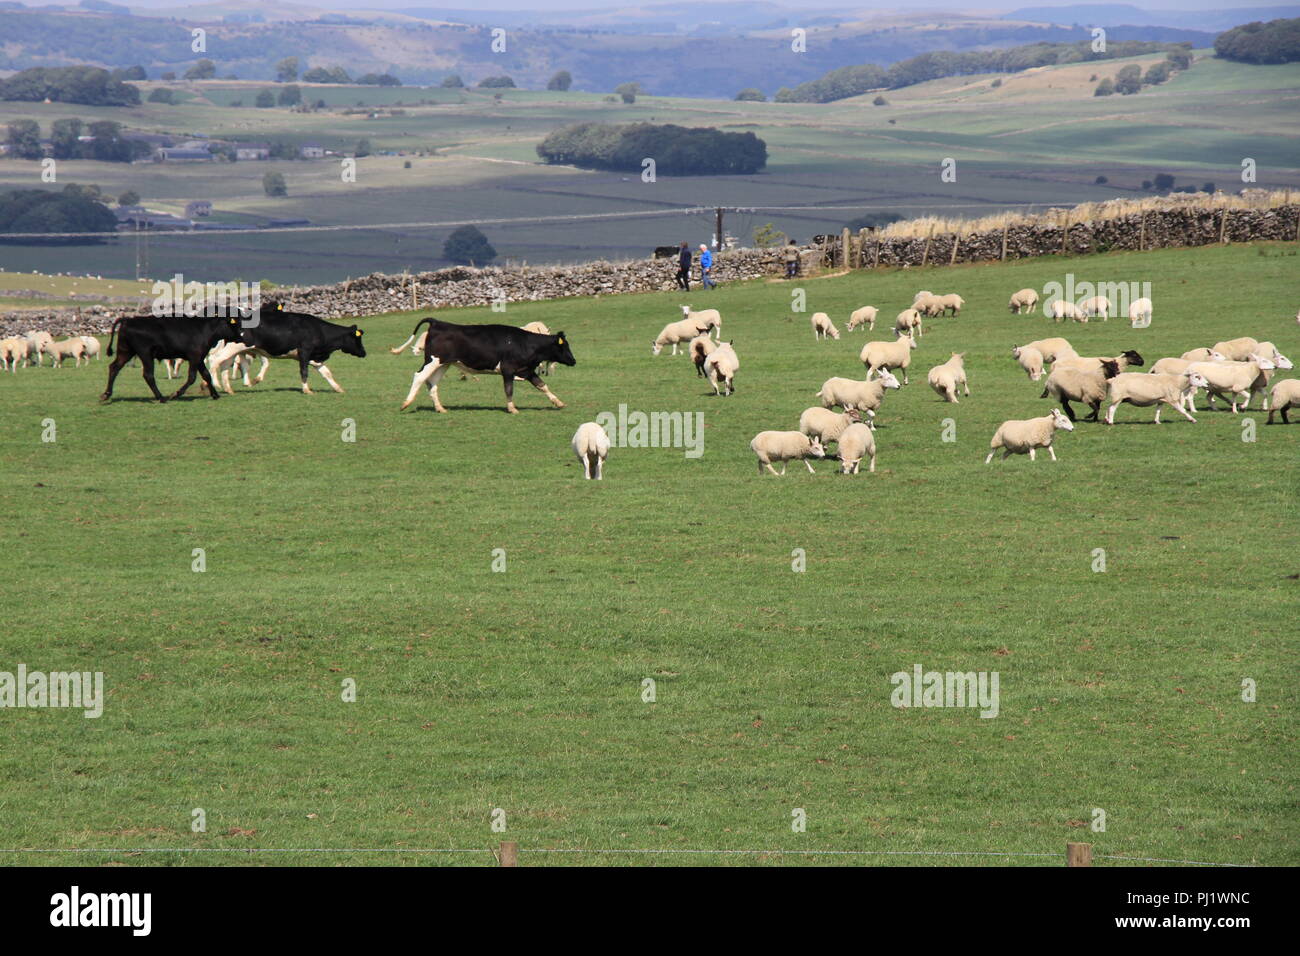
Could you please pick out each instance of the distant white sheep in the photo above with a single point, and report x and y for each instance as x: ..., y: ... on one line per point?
x: 69, y: 348
x: 822, y: 326
x: 1064, y: 309
x: 951, y: 303
x: 710, y: 318
x: 37, y: 342
x: 783, y: 447
x: 92, y: 347
x: 1098, y: 306
x: 1023, y: 302
x: 1286, y: 394
x: 675, y: 332
x: 13, y: 351
x: 945, y: 379
x: 891, y: 355
x: 1052, y: 349
x: 1140, y: 311
x: 1030, y: 359
x: 857, y: 442
x: 591, y: 445
x: 721, y: 366
x: 1026, y: 435
x: 863, y: 316
x: 929, y: 304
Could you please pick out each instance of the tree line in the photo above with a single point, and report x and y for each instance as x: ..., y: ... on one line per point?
x: 72, y: 209
x: 676, y: 150
x: 1277, y: 41
x: 85, y: 85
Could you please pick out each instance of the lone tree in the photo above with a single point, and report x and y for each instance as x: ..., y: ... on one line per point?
x: 1164, y: 182
x: 273, y: 184
x: 751, y: 94
x: 129, y: 198
x: 466, y: 246
x: 1105, y: 88
x: 203, y: 70
x: 290, y: 95
x: 560, y: 81
x: 264, y: 99
x: 453, y: 82
x: 286, y: 71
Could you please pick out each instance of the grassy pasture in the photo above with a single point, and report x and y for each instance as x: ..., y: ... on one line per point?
x: 521, y: 690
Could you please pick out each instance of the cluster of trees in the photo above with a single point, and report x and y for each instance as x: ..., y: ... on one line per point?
x: 84, y: 85
x: 676, y: 150
x: 751, y: 94
x: 855, y: 80
x: 1130, y: 79
x: 468, y: 246
x: 497, y: 83
x: 72, y: 209
x: 1277, y: 41
x: 561, y: 81
x: 106, y: 143
x: 1164, y: 183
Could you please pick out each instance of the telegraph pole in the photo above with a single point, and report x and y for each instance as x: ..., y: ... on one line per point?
x: 717, y: 232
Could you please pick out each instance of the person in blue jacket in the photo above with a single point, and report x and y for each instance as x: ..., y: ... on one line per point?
x: 706, y: 267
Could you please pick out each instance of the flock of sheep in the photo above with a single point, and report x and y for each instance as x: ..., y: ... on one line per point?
x: 31, y: 349
x: 1232, y: 370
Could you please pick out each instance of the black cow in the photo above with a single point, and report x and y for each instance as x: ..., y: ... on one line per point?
x: 278, y: 333
x: 487, y: 348
x: 162, y: 337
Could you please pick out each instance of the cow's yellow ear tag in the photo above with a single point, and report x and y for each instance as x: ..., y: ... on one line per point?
x: 561, y: 341
x: 358, y: 333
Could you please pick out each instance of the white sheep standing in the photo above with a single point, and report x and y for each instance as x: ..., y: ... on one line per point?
x: 1140, y: 311
x: 591, y: 445
x: 891, y: 355
x: 1145, y: 390
x: 1030, y: 359
x: 92, y: 347
x: 909, y: 322
x: 1198, y: 355
x: 783, y: 447
x: 1053, y: 349
x: 675, y: 332
x: 1066, y: 385
x: 863, y: 316
x: 68, y: 348
x: 1230, y: 379
x: 1024, y: 301
x: 1098, y: 306
x: 951, y: 302
x: 1060, y: 309
x: 822, y: 326
x: 1240, y: 350
x: 825, y: 425
x: 707, y: 317
x: 946, y: 378
x: 851, y: 393
x: 38, y: 340
x: 1286, y: 394
x: 13, y: 351
x: 857, y: 442
x: 927, y: 303
x: 721, y: 365
x: 1025, y: 435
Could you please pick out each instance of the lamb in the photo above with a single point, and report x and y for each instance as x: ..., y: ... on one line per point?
x: 927, y: 303
x: 909, y: 322
x: 92, y: 347
x: 1094, y: 363
x: 823, y: 326
x: 700, y: 348
x: 1286, y: 394
x: 951, y: 302
x: 711, y: 318
x: 1021, y: 436
x: 857, y: 442
x: 1140, y: 311
x: 675, y: 332
x: 721, y: 365
x: 1053, y: 349
x: 1030, y: 359
x: 1067, y: 385
x: 37, y: 343
x: 1026, y: 300
x: 826, y: 426
x: 1199, y: 355
x: 1098, y: 305
x: 11, y: 352
x: 1230, y: 379
x: 68, y: 348
x: 591, y: 445
x: 945, y: 378
x: 865, y: 315
x: 1064, y: 309
x: 783, y: 447
x: 896, y: 354
x: 1144, y: 390
x: 850, y: 393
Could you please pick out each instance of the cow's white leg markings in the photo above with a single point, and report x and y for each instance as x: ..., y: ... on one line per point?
x: 325, y: 374
x: 420, y: 378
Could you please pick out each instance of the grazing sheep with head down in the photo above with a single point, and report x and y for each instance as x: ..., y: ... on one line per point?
x: 825, y: 425
x: 850, y: 393
x: 945, y: 379
x: 929, y: 304
x: 1146, y: 389
x: 591, y: 445
x: 1098, y: 306
x: 1065, y: 309
x: 1286, y: 394
x: 1030, y: 359
x: 1026, y: 435
x: 1066, y: 385
x: 1053, y: 349
x: 863, y: 316
x: 721, y: 365
x: 1024, y: 301
x: 891, y: 355
x: 951, y: 302
x: 711, y: 318
x: 857, y: 442
x: 822, y: 326
x: 68, y: 348
x: 783, y: 447
x: 701, y: 348
x: 1140, y: 311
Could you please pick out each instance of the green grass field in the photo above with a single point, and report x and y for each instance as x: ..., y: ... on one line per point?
x: 522, y: 690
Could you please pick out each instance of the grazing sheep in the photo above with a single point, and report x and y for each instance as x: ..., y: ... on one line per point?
x: 700, y: 348
x: 891, y: 355
x: 783, y: 447
x: 1026, y: 300
x: 721, y: 365
x: 863, y: 316
x: 591, y: 445
x: 1199, y: 355
x: 11, y: 352
x: 68, y: 348
x: 850, y: 393
x: 1230, y: 379
x: 857, y: 442
x: 1052, y: 349
x: 1140, y: 311
x: 1145, y: 390
x: 1286, y: 394
x: 945, y: 378
x: 951, y: 302
x: 824, y: 425
x: 1098, y: 306
x: 1063, y: 309
x: 92, y: 347
x: 909, y: 322
x: 37, y: 342
x: 1030, y: 359
x: 711, y: 318
x: 675, y: 332
x: 1068, y: 385
x: 823, y: 326
x: 1025, y: 435
x: 1093, y: 363
x: 927, y: 303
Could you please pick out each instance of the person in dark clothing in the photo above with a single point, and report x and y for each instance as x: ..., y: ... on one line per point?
x: 791, y: 260
x: 684, y: 267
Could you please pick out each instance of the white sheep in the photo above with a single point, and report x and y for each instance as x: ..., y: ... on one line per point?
x: 927, y: 303
x: 1098, y: 306
x: 700, y: 348
x: 1237, y: 350
x: 1140, y: 311
x: 1064, y: 309
x: 68, y: 348
x: 675, y: 332
x: 850, y: 393
x: 591, y: 445
x: 946, y: 378
x: 891, y: 355
x: 1053, y: 349
x: 13, y: 351
x: 236, y: 358
x: 1030, y: 359
x: 1094, y: 363
x: 825, y: 425
x: 1269, y: 351
x: 1024, y: 301
x: 1066, y: 385
x: 863, y: 316
x: 537, y: 328
x: 822, y: 326
x: 1230, y: 379
x: 721, y: 365
x: 909, y: 323
x: 92, y: 347
x: 1025, y: 435
x: 857, y: 442
x: 783, y: 447
x: 1199, y: 355
x: 37, y: 342
x: 1286, y: 394
x: 1145, y: 390
x: 710, y: 318
x: 951, y: 302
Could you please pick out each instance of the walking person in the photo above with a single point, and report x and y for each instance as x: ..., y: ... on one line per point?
x: 791, y: 256
x: 706, y: 267
x: 684, y: 267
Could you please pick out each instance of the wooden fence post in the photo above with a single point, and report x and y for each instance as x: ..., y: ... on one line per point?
x: 509, y: 855
x: 875, y: 258
x: 1142, y: 234
x: 1005, y: 227
x: 956, y: 243
x: 845, y: 248
x: 1076, y: 854
x: 1223, y: 225
x: 414, y: 285
x: 925, y: 256
x: 1065, y: 231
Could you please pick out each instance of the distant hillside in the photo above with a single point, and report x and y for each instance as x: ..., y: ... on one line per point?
x: 1116, y: 14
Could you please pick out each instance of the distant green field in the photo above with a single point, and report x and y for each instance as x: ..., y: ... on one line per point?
x: 371, y: 561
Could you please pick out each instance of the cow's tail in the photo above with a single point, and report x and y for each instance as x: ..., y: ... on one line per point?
x: 416, y: 331
x: 402, y: 347
x: 112, y: 332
